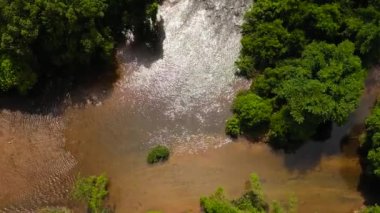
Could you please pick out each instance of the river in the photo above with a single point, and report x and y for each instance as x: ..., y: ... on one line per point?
x: 179, y: 96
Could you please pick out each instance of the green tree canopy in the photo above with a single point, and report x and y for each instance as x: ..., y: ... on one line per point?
x: 371, y: 145
x: 47, y: 38
x: 306, y: 58
x: 298, y: 95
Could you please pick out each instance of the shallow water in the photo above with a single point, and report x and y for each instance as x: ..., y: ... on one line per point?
x: 323, y: 175
x: 180, y: 97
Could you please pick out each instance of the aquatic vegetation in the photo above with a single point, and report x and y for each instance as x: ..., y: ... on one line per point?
x: 371, y: 209
x: 91, y: 190
x: 157, y: 154
x: 306, y: 61
x: 252, y: 201
x: 233, y: 127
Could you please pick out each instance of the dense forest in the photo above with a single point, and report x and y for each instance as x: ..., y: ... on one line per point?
x: 47, y: 39
x: 308, y: 60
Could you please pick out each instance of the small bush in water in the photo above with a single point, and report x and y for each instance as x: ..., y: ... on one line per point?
x: 233, y: 127
x: 157, y: 154
x: 252, y: 201
x: 92, y: 190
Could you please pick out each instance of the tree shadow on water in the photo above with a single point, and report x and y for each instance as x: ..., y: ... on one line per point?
x: 88, y: 86
x: 145, y: 53
x: 52, y: 96
x: 369, y: 189
x: 331, y: 140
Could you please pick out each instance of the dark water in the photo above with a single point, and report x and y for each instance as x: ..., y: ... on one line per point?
x: 180, y: 97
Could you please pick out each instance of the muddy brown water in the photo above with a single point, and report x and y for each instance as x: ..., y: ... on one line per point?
x: 180, y: 98
x: 323, y: 175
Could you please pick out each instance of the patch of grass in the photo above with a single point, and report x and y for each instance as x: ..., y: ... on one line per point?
x: 157, y: 154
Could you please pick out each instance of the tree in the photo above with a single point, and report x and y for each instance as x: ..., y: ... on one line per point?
x: 371, y: 146
x: 298, y: 95
x: 45, y: 39
x: 264, y: 46
x: 251, y: 110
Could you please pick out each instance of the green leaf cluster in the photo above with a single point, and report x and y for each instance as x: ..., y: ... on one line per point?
x: 371, y: 209
x: 157, y: 154
x: 91, y: 190
x: 42, y: 39
x: 252, y: 201
x: 306, y: 59
x: 371, y: 145
x: 279, y: 29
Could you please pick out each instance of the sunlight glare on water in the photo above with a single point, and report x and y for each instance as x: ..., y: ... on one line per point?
x: 197, y: 68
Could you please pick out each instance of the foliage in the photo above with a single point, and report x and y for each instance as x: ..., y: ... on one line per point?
x: 371, y: 209
x: 233, y: 126
x: 218, y: 203
x: 280, y: 29
x: 157, y: 154
x: 91, y: 190
x: 42, y: 39
x: 251, y: 109
x: 306, y: 59
x: 371, y: 144
x: 266, y: 45
x: 252, y: 201
x: 298, y: 95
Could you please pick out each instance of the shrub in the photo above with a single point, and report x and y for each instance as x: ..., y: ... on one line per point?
x: 251, y: 201
x: 371, y: 209
x: 91, y: 190
x: 218, y: 203
x: 251, y: 109
x: 157, y: 154
x: 233, y: 127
